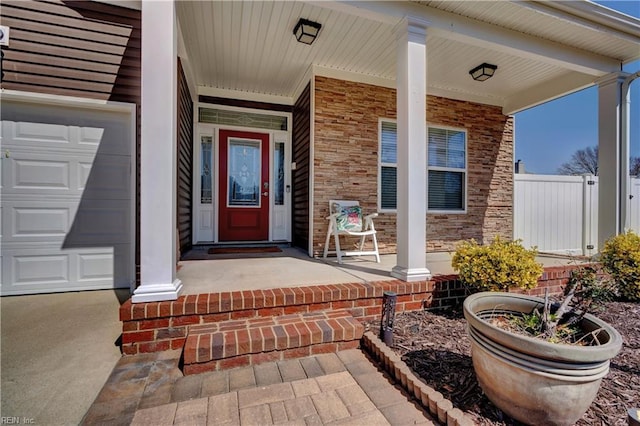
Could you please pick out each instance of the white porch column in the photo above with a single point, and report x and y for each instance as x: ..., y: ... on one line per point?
x: 613, y: 158
x: 158, y: 155
x: 411, y: 81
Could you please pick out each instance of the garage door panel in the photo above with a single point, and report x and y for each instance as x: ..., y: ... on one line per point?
x: 40, y: 222
x: 48, y: 269
x: 65, y: 129
x: 92, y: 267
x: 99, y: 266
x: 93, y: 223
x: 53, y: 138
x: 45, y: 174
x: 83, y: 171
x: 113, y: 265
x: 36, y: 270
x: 99, y: 223
x: 42, y: 134
x: 46, y: 221
x: 104, y: 177
x: 109, y: 177
x: 123, y: 265
x: 113, y: 132
x: 41, y: 174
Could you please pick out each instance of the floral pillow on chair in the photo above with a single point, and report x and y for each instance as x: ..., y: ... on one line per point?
x: 350, y: 219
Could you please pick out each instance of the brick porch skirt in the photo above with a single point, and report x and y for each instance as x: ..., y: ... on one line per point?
x: 161, y: 326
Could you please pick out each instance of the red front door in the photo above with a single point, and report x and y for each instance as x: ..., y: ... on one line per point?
x: 244, y: 186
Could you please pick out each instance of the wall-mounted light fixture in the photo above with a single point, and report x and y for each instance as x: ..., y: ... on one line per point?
x: 483, y: 72
x: 306, y: 31
x: 4, y: 35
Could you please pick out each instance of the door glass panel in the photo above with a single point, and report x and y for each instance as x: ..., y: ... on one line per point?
x: 244, y: 173
x: 278, y: 172
x: 206, y: 143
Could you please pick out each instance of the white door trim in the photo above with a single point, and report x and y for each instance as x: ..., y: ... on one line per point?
x: 199, y: 234
x: 274, y: 136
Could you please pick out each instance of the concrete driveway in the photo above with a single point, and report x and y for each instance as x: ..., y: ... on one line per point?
x: 57, y: 351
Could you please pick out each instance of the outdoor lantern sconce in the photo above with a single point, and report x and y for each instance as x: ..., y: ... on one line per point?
x: 306, y: 31
x: 483, y: 72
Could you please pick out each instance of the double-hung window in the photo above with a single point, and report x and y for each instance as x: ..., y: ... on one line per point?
x: 446, y: 168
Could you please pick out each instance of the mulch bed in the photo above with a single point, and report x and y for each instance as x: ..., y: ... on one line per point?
x: 435, y: 346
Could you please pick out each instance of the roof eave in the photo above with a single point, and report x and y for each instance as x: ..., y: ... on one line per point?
x: 591, y: 14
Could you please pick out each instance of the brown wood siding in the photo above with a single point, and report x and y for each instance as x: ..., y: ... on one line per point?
x: 301, y: 155
x: 185, y: 161
x: 76, y: 48
x: 84, y: 49
x: 244, y: 103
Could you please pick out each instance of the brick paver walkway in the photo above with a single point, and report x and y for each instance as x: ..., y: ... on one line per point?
x: 329, y: 389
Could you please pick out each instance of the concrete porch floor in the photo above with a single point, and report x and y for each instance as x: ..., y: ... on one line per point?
x: 204, y: 273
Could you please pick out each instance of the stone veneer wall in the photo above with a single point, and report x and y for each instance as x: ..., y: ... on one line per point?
x: 346, y: 162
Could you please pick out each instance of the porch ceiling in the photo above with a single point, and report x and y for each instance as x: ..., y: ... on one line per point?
x: 542, y: 50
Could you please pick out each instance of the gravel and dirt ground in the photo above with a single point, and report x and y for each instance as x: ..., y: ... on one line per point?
x: 436, y: 347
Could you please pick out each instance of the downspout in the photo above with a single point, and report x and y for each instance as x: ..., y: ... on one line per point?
x: 625, y: 137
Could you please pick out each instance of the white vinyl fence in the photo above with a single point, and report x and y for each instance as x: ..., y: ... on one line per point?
x: 634, y: 208
x: 559, y: 214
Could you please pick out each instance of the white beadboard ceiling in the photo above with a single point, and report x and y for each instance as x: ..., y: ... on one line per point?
x: 248, y: 48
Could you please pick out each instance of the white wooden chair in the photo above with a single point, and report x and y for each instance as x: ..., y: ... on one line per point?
x: 346, y: 219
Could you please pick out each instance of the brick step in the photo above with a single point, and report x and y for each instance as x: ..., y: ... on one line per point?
x: 236, y: 343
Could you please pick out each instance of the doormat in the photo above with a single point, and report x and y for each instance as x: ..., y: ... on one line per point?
x: 242, y: 250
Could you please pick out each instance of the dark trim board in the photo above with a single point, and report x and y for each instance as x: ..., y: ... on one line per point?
x: 184, y: 184
x: 301, y: 154
x: 245, y: 104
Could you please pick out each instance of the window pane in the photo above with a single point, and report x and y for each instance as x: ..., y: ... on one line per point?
x: 388, y: 182
x: 240, y: 118
x: 205, y: 169
x: 456, y: 147
x: 278, y: 171
x: 244, y: 173
x: 389, y: 143
x: 446, y: 190
x: 446, y: 148
x: 437, y: 147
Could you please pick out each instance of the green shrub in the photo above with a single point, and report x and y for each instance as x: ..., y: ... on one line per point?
x: 498, y: 266
x: 621, y: 258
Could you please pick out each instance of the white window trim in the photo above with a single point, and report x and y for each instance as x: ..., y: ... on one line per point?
x: 437, y: 168
x: 451, y: 169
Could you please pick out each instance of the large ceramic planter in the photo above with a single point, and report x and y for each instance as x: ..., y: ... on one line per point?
x: 534, y: 381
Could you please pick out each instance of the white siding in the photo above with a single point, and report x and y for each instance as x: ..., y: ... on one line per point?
x: 634, y: 208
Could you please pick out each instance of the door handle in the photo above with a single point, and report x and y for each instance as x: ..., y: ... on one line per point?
x: 265, y: 194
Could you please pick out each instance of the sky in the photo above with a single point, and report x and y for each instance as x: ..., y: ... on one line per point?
x: 547, y: 135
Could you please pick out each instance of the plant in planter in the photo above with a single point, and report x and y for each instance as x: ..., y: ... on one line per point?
x: 537, y: 380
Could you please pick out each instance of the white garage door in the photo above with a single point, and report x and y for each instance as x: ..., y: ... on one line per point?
x: 67, y: 205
